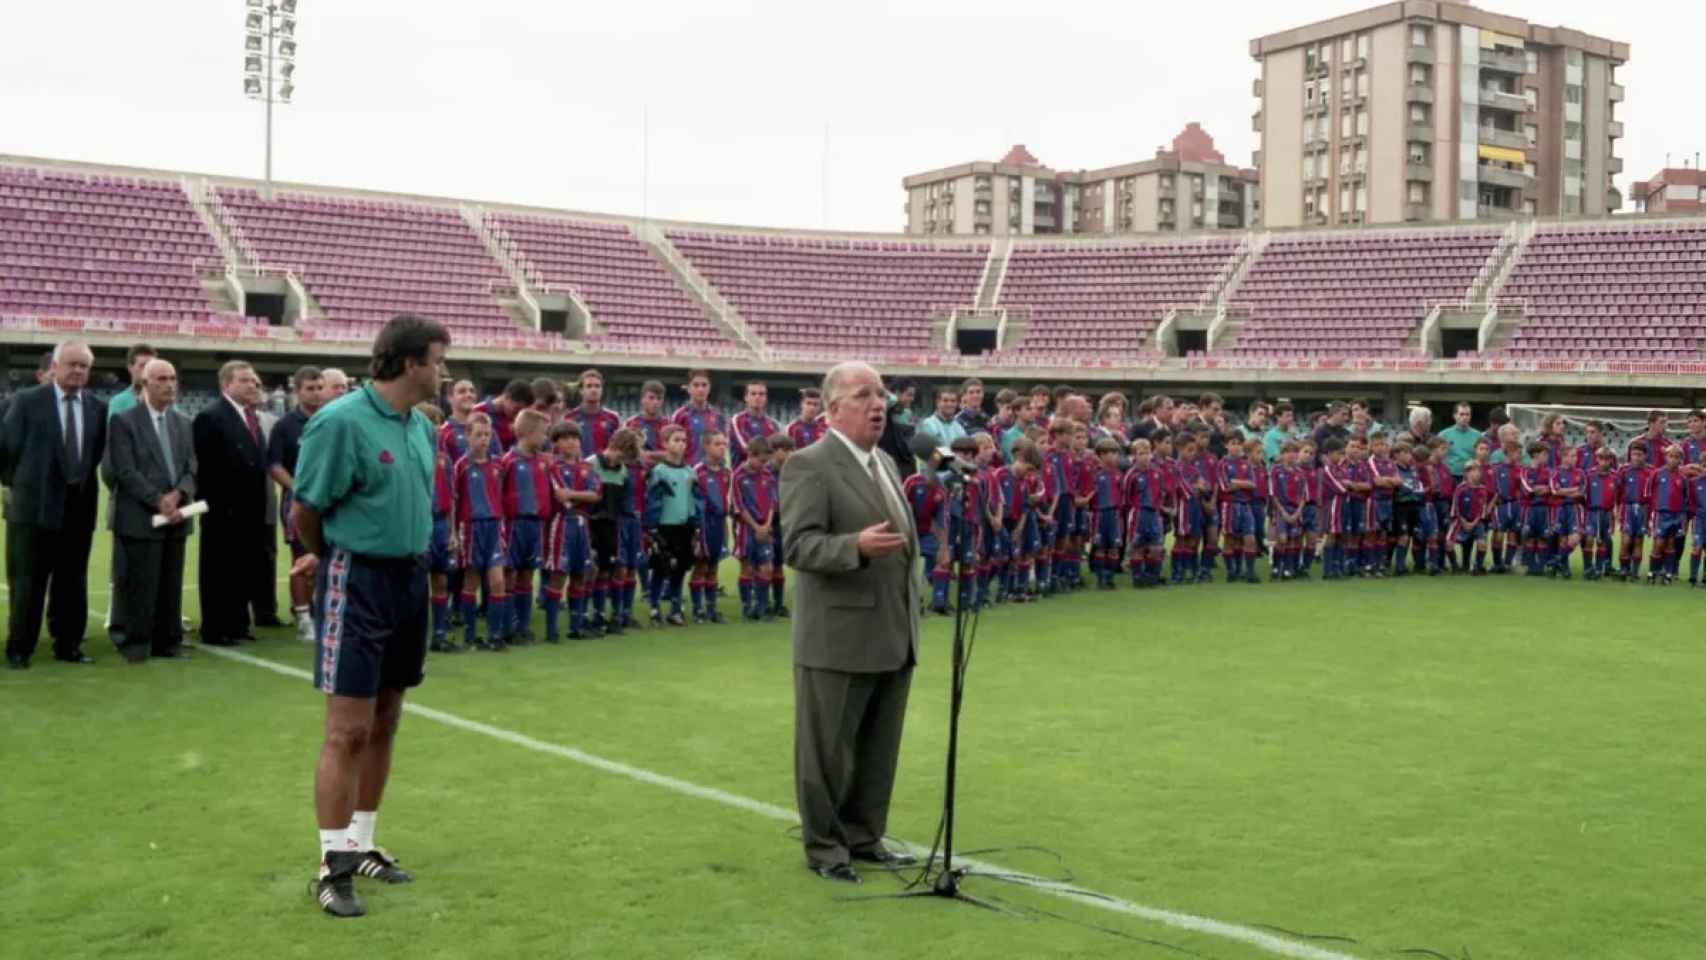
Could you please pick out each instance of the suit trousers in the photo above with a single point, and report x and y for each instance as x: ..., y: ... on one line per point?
x: 151, y: 585
x: 38, y: 561
x: 847, y: 729
x: 265, y: 586
x: 233, y: 558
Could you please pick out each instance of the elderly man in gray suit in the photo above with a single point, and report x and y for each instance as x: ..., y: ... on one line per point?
x: 853, y: 547
x: 151, y: 469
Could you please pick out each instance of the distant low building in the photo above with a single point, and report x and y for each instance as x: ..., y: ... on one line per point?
x: 1189, y: 187
x: 1673, y: 190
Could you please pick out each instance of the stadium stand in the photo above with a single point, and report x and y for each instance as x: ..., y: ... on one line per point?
x: 1353, y: 294
x: 1626, y: 292
x: 836, y: 296
x: 1107, y: 299
x: 632, y: 297
x: 365, y: 260
x: 102, y: 247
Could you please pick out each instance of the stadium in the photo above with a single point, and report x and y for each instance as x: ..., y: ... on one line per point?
x: 1435, y: 766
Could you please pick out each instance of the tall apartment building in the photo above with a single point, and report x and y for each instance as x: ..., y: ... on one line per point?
x: 1418, y: 110
x: 1189, y: 187
x: 1674, y: 190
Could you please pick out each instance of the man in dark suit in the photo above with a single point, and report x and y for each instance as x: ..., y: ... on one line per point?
x: 50, y: 443
x: 852, y: 544
x: 231, y: 475
x: 151, y: 469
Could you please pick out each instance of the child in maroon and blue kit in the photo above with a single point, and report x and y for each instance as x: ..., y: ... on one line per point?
x: 1670, y: 506
x: 965, y: 522
x: 1536, y: 480
x: 1697, y: 501
x: 754, y: 501
x: 1146, y: 493
x: 1601, y: 495
x: 1471, y: 506
x: 1207, y: 467
x: 1569, y: 518
x: 1237, y: 487
x: 1107, y: 502
x: 1290, y: 492
x: 1634, y: 497
x: 995, y: 543
x: 1441, y: 486
x: 928, y: 500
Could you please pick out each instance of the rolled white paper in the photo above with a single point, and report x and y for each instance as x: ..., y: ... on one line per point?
x: 195, y: 509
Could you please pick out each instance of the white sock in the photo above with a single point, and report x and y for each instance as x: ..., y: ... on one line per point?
x: 303, y: 613
x: 361, y: 829
x: 333, y: 841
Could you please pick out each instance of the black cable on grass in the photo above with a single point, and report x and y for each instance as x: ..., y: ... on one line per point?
x: 1294, y: 934
x: 1098, y: 928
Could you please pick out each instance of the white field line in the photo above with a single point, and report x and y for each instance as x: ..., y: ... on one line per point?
x: 1260, y: 939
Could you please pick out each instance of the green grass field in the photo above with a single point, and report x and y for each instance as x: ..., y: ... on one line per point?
x: 1453, y: 768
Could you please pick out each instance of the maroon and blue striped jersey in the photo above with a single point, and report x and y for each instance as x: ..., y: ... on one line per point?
x: 1439, y: 483
x: 1469, y: 503
x: 634, y: 505
x: 927, y: 500
x: 597, y: 426
x: 718, y: 485
x: 1655, y: 447
x: 1233, y: 470
x: 503, y: 426
x: 650, y: 430
x: 1263, y: 475
x: 1536, y: 482
x: 1207, y: 467
x: 1635, y: 485
x: 443, y: 485
x: 1015, y: 500
x: 1691, y: 448
x: 1290, y: 487
x: 1146, y: 488
x: 576, y: 476
x: 1601, y: 489
x: 747, y: 427
x: 755, y: 491
x: 453, y: 442
x: 1567, y: 478
x: 805, y: 432
x: 1587, y: 456
x: 1378, y: 468
x: 698, y: 421
x: 526, y: 484
x: 1669, y: 491
x: 1507, y: 481
x: 479, y: 490
x: 1109, y: 492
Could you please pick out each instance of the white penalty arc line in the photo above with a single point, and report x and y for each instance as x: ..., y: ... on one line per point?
x: 1183, y: 921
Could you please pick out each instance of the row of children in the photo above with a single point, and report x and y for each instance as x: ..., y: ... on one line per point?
x: 1369, y: 509
x: 649, y: 509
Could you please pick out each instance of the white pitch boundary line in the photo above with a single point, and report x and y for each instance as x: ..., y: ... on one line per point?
x: 1183, y: 921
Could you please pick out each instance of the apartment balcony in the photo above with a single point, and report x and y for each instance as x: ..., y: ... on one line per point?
x: 1418, y: 171
x: 1489, y: 212
x: 983, y: 193
x: 1230, y: 221
x: 1418, y: 93
x: 1500, y: 100
x: 1615, y: 129
x: 1494, y: 137
x: 1616, y: 92
x: 1417, y: 211
x: 1311, y: 183
x: 1166, y: 190
x: 1504, y: 62
x: 1613, y: 199
x: 1615, y: 165
x: 982, y: 216
x: 1043, y: 220
x: 1423, y: 132
x: 1256, y: 122
x: 1418, y: 54
x: 1502, y: 177
x: 1256, y: 88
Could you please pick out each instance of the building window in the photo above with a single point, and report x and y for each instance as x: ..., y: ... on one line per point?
x: 1572, y: 93
x: 1529, y: 207
x: 1326, y: 88
x: 1347, y: 49
x: 1572, y: 204
x: 1572, y: 131
x: 1573, y: 57
x: 1533, y: 133
x: 1345, y: 124
x: 1419, y: 75
x: 1418, y: 114
x: 1364, y: 42
x: 1344, y: 198
x: 1362, y: 123
x: 1361, y: 198
x: 1419, y: 153
x: 1309, y: 92
x: 1420, y: 36
x: 1418, y: 192
x: 1362, y: 83
x: 1533, y: 61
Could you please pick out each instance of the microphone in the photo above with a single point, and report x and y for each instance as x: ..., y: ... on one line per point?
x: 924, y: 447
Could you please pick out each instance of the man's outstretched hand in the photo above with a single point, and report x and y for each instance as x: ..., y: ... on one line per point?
x: 880, y: 540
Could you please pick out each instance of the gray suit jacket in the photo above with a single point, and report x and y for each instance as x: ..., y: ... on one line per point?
x: 850, y: 614
x: 136, y: 471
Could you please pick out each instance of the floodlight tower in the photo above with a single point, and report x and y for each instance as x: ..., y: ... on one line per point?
x: 269, y: 58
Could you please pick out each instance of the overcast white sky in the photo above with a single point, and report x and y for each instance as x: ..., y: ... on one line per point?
x: 538, y: 102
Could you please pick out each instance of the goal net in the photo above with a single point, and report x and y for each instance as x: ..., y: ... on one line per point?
x: 1622, y: 424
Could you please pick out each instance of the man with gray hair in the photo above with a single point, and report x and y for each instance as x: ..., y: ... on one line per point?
x: 231, y: 475
x: 852, y: 545
x: 1421, y: 427
x: 336, y: 383
x: 53, y: 437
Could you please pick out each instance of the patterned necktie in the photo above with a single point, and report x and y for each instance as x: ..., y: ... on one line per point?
x: 896, y: 515
x: 73, y: 442
x: 254, y: 424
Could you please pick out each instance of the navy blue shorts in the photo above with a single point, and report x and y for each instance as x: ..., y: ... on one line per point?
x: 1259, y: 514
x: 1538, y: 523
x: 750, y: 550
x: 1600, y: 524
x: 1467, y: 532
x: 996, y: 543
x: 526, y: 544
x: 484, y: 545
x: 1427, y: 521
x: 1667, y: 524
x: 1507, y: 517
x: 1568, y: 519
x: 370, y: 627
x: 1237, y: 519
x: 1286, y: 531
x: 1107, y: 529
x: 1311, y: 518
x: 1442, y: 515
x: 714, y: 536
x: 1353, y: 518
x: 1029, y: 538
x: 630, y: 550
x: 927, y: 547
x: 964, y: 540
x: 568, y: 545
x: 1634, y: 520
x: 440, y: 558
x: 1081, y: 520
x: 1146, y: 528
x: 1189, y: 519
x: 1065, y: 518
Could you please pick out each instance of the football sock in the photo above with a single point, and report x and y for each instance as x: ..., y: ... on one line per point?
x: 777, y: 585
x: 577, y: 608
x: 361, y: 826
x: 470, y: 605
x: 522, y: 602
x: 553, y: 612
x: 440, y: 616
x: 746, y: 595
x: 596, y: 595
x: 333, y: 841
x: 306, y: 612
x: 939, y: 587
x: 497, y: 626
